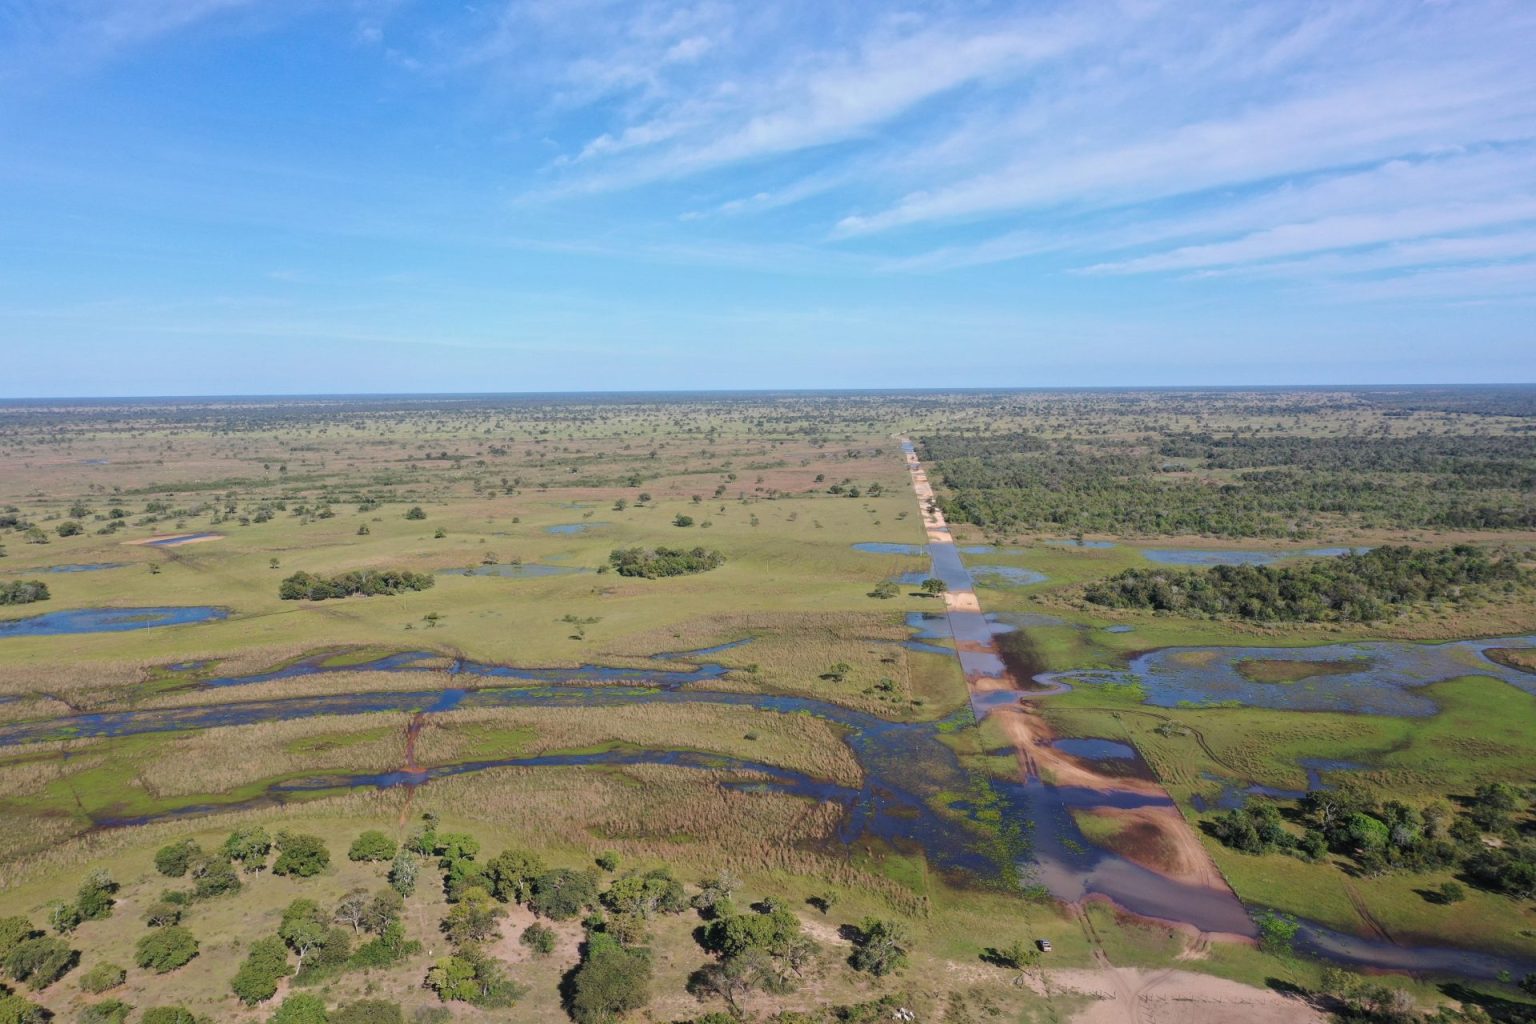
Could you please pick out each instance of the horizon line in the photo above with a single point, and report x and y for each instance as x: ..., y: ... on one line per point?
x: 665, y: 392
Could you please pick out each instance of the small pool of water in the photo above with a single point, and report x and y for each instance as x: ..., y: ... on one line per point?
x: 74, y: 567
x: 1081, y: 543
x: 566, y: 529
x: 880, y: 547
x: 181, y: 538
x: 1198, y: 557
x: 1095, y: 749
x: 1120, y: 629
x: 513, y: 571
x: 1010, y: 575
x: 108, y: 620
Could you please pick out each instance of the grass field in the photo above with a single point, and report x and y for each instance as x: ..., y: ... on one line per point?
x: 326, y: 491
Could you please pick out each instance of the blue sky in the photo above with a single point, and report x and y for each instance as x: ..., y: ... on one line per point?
x: 280, y: 196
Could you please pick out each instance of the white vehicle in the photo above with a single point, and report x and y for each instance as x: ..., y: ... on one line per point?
x: 1044, y: 944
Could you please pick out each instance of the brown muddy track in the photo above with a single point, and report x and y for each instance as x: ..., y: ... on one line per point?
x: 1032, y: 736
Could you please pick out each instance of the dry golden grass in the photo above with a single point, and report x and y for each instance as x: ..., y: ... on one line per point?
x: 798, y: 742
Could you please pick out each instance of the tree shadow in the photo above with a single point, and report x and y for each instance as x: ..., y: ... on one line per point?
x: 1502, y: 1010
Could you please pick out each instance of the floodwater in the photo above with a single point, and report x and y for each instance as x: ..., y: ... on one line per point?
x: 908, y: 770
x: 180, y: 538
x: 1196, y: 556
x: 108, y: 620
x: 565, y: 529
x: 1008, y: 574
x: 77, y: 567
x: 877, y: 547
x: 1094, y: 749
x: 1072, y: 868
x: 1389, y: 681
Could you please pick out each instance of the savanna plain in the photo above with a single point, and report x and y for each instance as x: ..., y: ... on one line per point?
x: 1093, y: 706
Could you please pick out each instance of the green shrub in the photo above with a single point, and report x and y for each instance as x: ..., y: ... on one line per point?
x: 23, y: 592
x: 881, y: 947
x: 166, y: 949
x: 94, y: 900
x: 173, y: 859
x: 372, y: 846
x: 108, y: 1011
x: 300, y: 855
x: 610, y: 980
x: 265, y: 962
x: 538, y: 937
x: 562, y: 894
x: 168, y: 1015
x: 302, y: 1008
x: 102, y: 978
x: 368, y: 1011
x: 16, y: 1010
x: 40, y: 961
x: 249, y: 846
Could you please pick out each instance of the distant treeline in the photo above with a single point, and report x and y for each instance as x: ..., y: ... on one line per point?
x: 23, y: 592
x: 303, y: 586
x: 1240, y: 485
x: 1351, y: 588
x: 654, y: 562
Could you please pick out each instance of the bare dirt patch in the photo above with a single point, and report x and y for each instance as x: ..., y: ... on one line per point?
x: 1130, y: 995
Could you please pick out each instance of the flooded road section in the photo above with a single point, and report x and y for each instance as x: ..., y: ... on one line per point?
x: 1054, y: 781
x: 1194, y: 893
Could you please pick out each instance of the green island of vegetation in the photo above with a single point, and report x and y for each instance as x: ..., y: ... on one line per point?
x: 23, y: 592
x: 303, y: 586
x: 653, y: 563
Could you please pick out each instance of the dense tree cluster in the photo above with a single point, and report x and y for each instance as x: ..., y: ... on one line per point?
x: 304, y: 586
x: 1239, y: 484
x: 23, y: 592
x: 1352, y: 588
x: 1487, y: 842
x: 656, y: 562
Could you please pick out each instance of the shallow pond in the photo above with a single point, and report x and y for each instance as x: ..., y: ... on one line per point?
x: 1095, y: 749
x: 880, y: 547
x: 181, y: 538
x: 1010, y: 575
x: 565, y: 529
x: 108, y: 620
x: 1388, y: 681
x: 77, y: 567
x: 1195, y: 556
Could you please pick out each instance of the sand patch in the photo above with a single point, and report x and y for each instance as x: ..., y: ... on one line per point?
x: 1130, y: 995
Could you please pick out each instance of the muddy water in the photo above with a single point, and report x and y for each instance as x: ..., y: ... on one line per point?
x: 1063, y: 860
